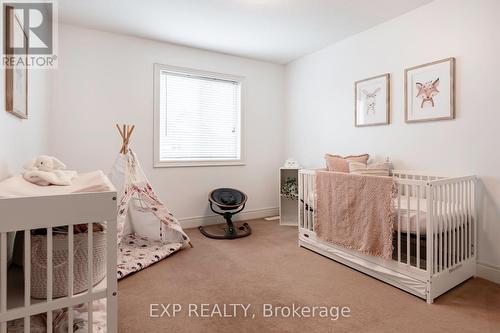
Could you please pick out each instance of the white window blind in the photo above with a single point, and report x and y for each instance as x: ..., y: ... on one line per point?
x: 200, y: 118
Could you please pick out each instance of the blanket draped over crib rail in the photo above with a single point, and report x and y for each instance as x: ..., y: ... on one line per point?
x: 355, y: 211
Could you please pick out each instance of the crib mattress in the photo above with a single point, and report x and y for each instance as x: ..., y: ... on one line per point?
x: 411, y: 217
x: 416, y: 205
x: 17, y: 186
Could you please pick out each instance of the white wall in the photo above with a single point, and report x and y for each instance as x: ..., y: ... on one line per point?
x: 23, y: 139
x: 105, y: 78
x: 320, y: 101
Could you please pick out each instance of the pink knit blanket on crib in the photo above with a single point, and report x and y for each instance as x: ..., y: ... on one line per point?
x: 355, y: 212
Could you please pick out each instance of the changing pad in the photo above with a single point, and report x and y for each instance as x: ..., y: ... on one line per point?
x: 17, y: 186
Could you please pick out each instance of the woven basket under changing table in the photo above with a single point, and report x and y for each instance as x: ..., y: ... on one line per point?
x: 60, y: 263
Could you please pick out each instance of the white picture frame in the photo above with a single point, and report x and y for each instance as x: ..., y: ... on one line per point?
x: 430, y: 91
x: 372, y: 99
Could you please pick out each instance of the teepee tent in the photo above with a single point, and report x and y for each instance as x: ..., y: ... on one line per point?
x: 147, y: 230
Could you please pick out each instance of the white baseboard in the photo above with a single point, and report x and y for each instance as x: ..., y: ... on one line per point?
x: 193, y: 222
x: 488, y: 272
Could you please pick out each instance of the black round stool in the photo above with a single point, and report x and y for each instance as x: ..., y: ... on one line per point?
x: 228, y: 202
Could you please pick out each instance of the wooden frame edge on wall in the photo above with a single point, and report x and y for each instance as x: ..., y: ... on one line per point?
x: 452, y: 61
x: 9, y: 71
x: 9, y: 100
x: 388, y: 100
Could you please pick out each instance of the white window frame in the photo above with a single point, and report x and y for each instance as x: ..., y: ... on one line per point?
x: 157, y: 163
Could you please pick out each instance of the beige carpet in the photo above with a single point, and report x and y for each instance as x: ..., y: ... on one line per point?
x: 268, y: 267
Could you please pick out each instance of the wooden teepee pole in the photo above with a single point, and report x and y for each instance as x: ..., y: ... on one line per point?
x: 125, y: 133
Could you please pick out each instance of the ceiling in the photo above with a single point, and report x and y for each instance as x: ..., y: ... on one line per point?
x: 277, y: 31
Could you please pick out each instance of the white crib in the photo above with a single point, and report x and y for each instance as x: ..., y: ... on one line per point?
x: 434, y: 240
x: 29, y: 213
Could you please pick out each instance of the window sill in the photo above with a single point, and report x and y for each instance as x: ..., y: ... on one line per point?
x: 188, y: 164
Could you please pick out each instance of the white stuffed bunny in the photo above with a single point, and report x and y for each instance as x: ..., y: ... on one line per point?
x: 45, y: 163
x: 47, y: 170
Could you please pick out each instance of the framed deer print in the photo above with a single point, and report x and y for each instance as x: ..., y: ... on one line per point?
x: 372, y: 101
x: 430, y: 91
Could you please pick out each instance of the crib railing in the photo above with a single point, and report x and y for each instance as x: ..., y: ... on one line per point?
x: 307, y: 187
x: 453, y: 213
x: 47, y: 213
x: 414, y: 175
x: 435, y: 227
x: 412, y: 191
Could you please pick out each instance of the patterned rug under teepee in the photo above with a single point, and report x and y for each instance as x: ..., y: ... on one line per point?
x: 136, y: 253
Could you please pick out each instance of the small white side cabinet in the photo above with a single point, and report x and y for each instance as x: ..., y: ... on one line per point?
x: 288, y: 189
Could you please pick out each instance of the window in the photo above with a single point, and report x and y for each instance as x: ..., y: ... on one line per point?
x: 197, y: 118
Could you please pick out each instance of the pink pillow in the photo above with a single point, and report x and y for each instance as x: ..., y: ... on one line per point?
x: 373, y: 169
x: 340, y: 164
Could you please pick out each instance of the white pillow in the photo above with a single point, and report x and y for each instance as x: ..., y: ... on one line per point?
x: 373, y: 169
